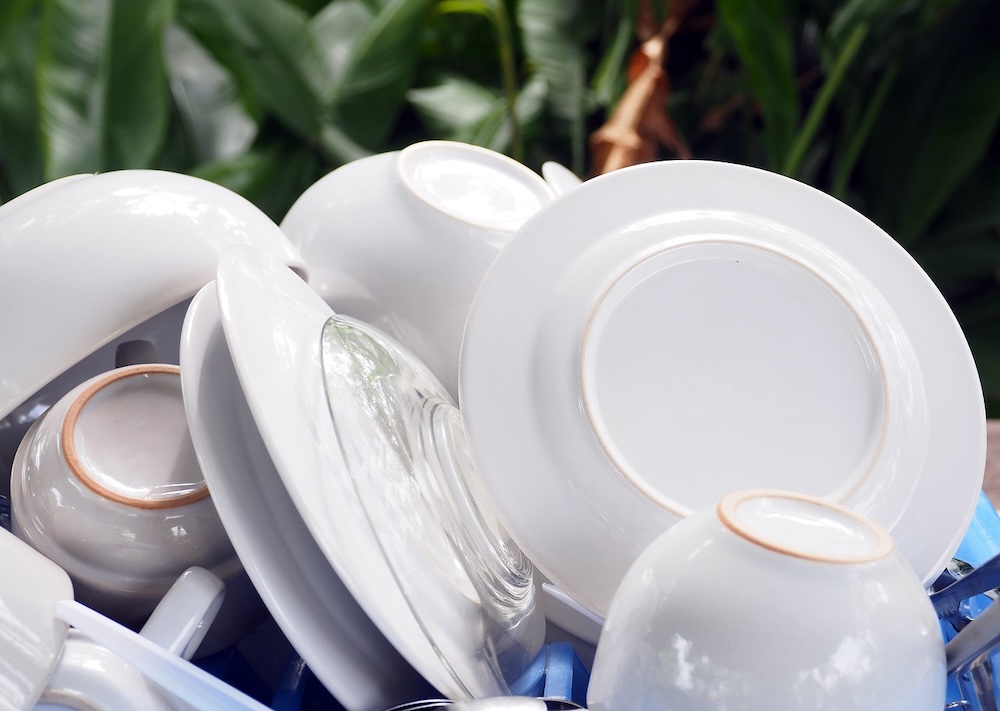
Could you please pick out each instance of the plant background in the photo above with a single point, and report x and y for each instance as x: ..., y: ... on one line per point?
x: 890, y: 105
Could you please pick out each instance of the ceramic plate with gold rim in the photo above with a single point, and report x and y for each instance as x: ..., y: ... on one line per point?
x: 669, y: 333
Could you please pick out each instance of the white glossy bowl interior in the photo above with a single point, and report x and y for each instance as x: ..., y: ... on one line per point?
x: 86, y: 258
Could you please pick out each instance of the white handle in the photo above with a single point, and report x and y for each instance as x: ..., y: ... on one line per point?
x: 180, y: 678
x: 184, y: 615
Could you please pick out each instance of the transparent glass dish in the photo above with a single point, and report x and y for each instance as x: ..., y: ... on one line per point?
x: 469, y: 586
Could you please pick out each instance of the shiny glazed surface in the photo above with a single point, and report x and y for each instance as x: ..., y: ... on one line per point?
x: 118, y: 248
x: 402, y: 240
x: 667, y: 333
x: 707, y: 618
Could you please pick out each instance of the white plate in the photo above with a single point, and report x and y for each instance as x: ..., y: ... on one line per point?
x: 312, y: 607
x: 668, y: 333
x: 85, y: 258
x: 273, y: 323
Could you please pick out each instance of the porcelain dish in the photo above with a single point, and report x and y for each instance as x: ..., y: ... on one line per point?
x: 679, y: 636
x: 401, y: 240
x: 273, y: 322
x: 110, y: 467
x: 670, y: 332
x: 119, y: 248
x: 307, y: 599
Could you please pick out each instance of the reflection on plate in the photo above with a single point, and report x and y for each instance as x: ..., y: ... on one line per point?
x: 312, y: 607
x: 671, y: 332
x: 468, y: 585
x: 273, y: 323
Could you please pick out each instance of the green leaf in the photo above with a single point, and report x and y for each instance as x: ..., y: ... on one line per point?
x: 975, y: 207
x: 100, y: 84
x: 12, y: 11
x: 759, y: 32
x: 372, y: 88
x: 831, y: 83
x: 555, y: 35
x: 461, y: 110
x: 207, y: 99
x: 449, y: 107
x: 19, y: 147
x: 338, y: 29
x: 495, y: 130
x: 269, y: 46
x: 939, y: 119
x: 271, y: 177
x: 955, y: 264
x: 609, y: 80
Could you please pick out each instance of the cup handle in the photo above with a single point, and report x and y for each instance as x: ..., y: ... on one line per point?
x: 182, y: 618
x: 135, y: 353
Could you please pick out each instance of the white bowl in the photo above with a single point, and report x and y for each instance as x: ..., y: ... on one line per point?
x: 770, y: 600
x: 86, y: 258
x: 107, y: 485
x: 402, y: 240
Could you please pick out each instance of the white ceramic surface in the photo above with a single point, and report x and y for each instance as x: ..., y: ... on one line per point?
x: 183, y: 684
x: 670, y: 332
x: 162, y: 332
x: 770, y: 600
x: 470, y: 588
x: 182, y: 618
x: 31, y: 638
x: 314, y: 610
x: 85, y: 258
x: 91, y: 676
x: 273, y: 322
x: 560, y: 178
x: 401, y: 240
x: 107, y: 485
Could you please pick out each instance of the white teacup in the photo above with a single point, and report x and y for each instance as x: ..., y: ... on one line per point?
x: 107, y: 485
x: 402, y: 240
x: 90, y: 675
x: 770, y: 600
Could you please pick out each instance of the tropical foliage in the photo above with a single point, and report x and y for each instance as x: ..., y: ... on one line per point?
x: 890, y: 105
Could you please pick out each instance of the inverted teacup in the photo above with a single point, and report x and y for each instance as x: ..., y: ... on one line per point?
x: 401, y: 240
x: 770, y: 600
x: 107, y: 485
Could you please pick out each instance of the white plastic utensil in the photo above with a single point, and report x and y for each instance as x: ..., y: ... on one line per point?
x: 31, y: 639
x: 184, y: 680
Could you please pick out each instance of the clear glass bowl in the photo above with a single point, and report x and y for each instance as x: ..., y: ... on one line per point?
x: 469, y: 586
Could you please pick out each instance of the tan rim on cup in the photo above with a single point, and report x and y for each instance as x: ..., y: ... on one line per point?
x: 73, y: 458
x: 882, y: 544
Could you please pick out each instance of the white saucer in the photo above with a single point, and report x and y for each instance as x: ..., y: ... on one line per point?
x: 273, y: 322
x: 308, y: 601
x: 671, y: 332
